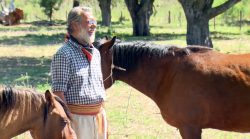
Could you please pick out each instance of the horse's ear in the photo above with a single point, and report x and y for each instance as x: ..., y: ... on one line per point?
x: 107, y: 45
x: 106, y: 37
x: 112, y: 42
x: 48, y: 96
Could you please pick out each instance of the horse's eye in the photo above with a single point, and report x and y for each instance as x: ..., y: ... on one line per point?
x: 64, y: 121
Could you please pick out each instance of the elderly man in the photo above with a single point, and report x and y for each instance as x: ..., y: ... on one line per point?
x: 77, y: 77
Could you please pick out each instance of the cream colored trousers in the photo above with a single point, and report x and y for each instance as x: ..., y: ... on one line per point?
x: 90, y: 126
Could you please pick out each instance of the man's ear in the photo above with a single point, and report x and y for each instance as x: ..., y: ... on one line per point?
x: 75, y: 26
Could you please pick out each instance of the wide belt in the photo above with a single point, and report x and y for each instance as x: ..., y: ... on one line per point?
x: 90, y: 109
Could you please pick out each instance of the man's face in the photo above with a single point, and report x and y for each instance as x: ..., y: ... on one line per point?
x: 87, y: 28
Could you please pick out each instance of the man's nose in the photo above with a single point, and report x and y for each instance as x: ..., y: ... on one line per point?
x: 93, y: 26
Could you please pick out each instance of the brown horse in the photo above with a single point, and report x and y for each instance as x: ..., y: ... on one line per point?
x: 194, y: 87
x: 45, y: 116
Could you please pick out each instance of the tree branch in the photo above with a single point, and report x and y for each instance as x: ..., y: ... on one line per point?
x: 221, y: 8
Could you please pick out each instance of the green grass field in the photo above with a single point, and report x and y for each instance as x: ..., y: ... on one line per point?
x: 25, y: 56
x: 26, y: 51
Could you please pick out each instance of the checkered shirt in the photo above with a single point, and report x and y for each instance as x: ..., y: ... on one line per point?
x: 72, y: 74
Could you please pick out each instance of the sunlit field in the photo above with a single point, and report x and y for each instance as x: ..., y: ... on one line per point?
x: 26, y: 51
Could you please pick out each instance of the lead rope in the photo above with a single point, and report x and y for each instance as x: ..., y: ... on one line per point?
x: 111, y: 70
x: 113, y: 67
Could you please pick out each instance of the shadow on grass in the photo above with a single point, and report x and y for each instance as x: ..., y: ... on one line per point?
x: 152, y: 37
x: 223, y: 35
x: 32, y: 28
x: 238, y: 23
x: 33, y: 39
x: 48, y: 23
x: 167, y: 36
x: 44, y: 39
x: 41, y: 39
x: 24, y: 71
x: 18, y: 28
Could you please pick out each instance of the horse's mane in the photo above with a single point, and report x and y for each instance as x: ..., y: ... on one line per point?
x: 127, y: 54
x: 9, y: 98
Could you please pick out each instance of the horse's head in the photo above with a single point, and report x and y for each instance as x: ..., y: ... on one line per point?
x: 104, y: 45
x: 57, y: 120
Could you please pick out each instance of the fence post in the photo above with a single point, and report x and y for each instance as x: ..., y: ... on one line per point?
x: 240, y: 19
x: 214, y: 23
x: 179, y: 19
x: 169, y: 17
x: 66, y: 15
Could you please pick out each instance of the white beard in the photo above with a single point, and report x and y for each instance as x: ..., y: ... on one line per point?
x: 83, y: 34
x: 92, y: 38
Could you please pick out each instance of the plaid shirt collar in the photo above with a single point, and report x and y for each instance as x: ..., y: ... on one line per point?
x: 86, y: 49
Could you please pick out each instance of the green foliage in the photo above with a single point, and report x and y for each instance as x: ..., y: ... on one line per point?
x: 232, y: 15
x: 49, y: 6
x: 116, y: 3
x: 26, y: 52
x: 90, y: 3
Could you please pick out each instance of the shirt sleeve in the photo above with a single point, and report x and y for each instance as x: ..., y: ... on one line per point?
x: 60, y: 72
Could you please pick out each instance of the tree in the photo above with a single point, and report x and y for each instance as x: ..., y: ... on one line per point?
x: 76, y: 3
x: 198, y: 13
x: 3, y: 5
x: 49, y: 6
x: 140, y: 12
x: 232, y: 16
x: 106, y: 11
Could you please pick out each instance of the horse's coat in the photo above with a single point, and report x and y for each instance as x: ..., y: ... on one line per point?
x: 194, y: 87
x: 45, y: 116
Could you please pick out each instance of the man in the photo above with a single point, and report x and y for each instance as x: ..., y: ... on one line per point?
x: 77, y: 77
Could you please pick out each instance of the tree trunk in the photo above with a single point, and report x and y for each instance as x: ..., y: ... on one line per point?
x: 106, y: 11
x: 76, y: 3
x: 198, y: 13
x: 141, y: 25
x: 198, y: 31
x: 140, y: 13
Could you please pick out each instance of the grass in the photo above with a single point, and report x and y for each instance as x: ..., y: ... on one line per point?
x: 24, y: 70
x: 26, y: 51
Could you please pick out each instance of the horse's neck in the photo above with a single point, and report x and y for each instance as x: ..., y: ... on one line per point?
x: 146, y: 78
x: 24, y: 115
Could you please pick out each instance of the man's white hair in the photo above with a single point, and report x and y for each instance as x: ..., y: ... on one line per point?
x: 75, y: 15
